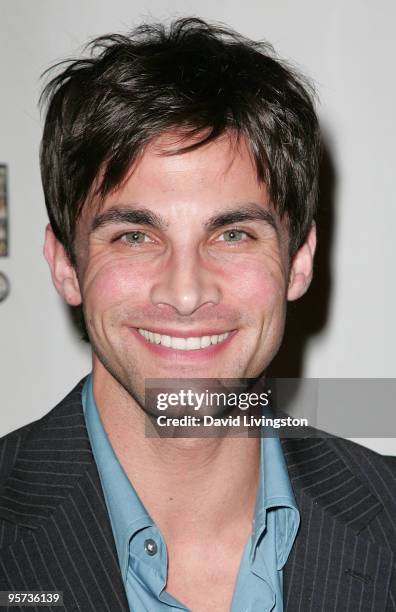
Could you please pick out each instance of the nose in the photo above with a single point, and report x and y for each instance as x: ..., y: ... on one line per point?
x: 185, y: 284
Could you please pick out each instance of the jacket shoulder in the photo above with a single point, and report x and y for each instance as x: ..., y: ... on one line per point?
x: 358, y: 450
x: 390, y: 460
x: 377, y: 471
x: 11, y: 443
x: 9, y: 448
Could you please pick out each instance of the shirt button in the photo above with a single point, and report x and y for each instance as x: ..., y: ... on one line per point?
x: 150, y: 546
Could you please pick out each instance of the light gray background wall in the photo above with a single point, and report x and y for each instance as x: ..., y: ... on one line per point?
x: 347, y: 48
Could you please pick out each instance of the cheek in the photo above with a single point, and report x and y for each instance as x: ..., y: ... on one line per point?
x: 112, y: 282
x: 260, y: 285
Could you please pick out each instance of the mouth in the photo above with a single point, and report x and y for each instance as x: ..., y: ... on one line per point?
x: 191, y: 343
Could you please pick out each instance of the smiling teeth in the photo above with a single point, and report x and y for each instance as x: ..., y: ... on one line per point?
x: 183, y: 344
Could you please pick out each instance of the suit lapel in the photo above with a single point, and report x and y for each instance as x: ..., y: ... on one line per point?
x: 333, y: 564
x: 64, y: 539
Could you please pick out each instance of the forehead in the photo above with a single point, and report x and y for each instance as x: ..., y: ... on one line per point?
x: 186, y: 185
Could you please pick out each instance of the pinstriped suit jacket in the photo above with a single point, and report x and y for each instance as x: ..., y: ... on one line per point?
x: 55, y: 532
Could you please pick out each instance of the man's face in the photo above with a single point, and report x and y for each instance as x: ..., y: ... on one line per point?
x: 184, y: 270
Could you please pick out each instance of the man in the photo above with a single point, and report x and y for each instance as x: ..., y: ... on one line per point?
x: 180, y: 174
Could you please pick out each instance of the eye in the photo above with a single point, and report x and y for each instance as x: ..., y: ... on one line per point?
x: 135, y: 237
x: 233, y: 235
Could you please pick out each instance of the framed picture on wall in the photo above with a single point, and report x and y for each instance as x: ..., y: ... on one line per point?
x: 3, y: 211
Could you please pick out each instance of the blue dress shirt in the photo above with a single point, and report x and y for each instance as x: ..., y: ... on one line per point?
x: 142, y: 550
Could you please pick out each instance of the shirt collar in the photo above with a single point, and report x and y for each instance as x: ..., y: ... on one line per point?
x: 128, y: 515
x: 274, y: 493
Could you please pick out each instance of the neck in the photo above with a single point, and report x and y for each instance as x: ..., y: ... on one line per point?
x: 186, y: 482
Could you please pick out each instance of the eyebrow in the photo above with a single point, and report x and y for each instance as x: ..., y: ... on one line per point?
x: 141, y: 216
x: 145, y: 216
x: 246, y: 212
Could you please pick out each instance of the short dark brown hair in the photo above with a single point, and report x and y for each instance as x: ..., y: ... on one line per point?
x: 102, y: 110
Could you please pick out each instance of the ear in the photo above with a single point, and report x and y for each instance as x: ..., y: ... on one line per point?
x: 302, y: 266
x: 63, y: 273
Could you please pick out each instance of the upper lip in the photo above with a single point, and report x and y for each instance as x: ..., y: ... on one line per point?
x: 179, y: 333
